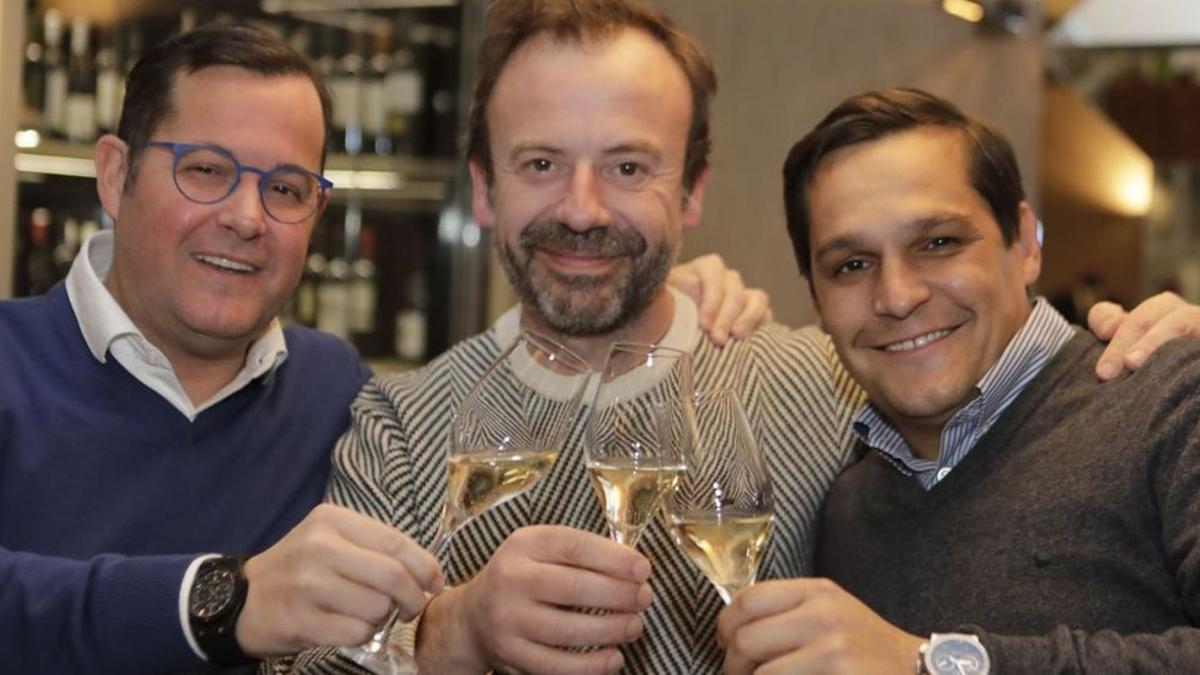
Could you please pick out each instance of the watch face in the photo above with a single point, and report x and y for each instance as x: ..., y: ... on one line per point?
x: 957, y: 655
x: 212, y: 593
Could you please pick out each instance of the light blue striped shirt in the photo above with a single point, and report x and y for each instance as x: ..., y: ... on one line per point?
x: 1044, y: 332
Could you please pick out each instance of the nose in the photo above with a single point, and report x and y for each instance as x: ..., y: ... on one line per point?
x: 899, y: 289
x: 242, y: 211
x: 582, y: 207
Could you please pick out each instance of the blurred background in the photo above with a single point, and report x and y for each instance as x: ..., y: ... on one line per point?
x: 1101, y: 99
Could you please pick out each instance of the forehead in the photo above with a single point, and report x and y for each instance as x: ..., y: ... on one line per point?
x: 896, y: 179
x: 274, y: 117
x: 585, y: 88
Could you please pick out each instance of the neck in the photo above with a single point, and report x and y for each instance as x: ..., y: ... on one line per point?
x: 649, y: 327
x: 202, y: 376
x: 203, y: 364
x: 925, y: 440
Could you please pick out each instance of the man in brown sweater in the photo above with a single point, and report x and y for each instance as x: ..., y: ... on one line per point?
x: 1009, y: 514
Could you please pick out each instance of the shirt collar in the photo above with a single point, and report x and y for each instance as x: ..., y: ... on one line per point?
x: 1044, y: 332
x: 104, y: 323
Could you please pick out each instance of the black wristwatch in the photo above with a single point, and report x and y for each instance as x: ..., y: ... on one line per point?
x: 215, y: 602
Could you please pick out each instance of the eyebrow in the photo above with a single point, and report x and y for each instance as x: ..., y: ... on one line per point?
x: 638, y: 147
x: 524, y: 148
x: 853, y: 242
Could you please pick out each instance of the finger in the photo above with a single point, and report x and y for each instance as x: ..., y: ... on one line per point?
x: 683, y: 279
x: 370, y: 570
x: 1103, y: 319
x: 771, y: 637
x: 733, y: 302
x: 531, y: 657
x: 559, y: 545
x: 556, y: 627
x: 771, y: 597
x: 713, y: 294
x: 755, y: 312
x: 573, y: 587
x: 338, y: 630
x: 337, y: 596
x: 1178, y: 324
x: 372, y: 534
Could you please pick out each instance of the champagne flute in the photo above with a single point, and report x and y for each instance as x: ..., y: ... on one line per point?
x: 720, y: 513
x: 505, y: 435
x: 638, y: 433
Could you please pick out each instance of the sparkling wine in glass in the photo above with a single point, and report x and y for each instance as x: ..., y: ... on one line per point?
x: 720, y: 513
x: 638, y: 433
x: 506, y: 434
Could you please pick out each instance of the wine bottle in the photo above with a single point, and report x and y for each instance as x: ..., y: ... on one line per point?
x: 33, y: 78
x: 108, y: 107
x: 81, y: 85
x: 403, y: 86
x: 333, y: 299
x: 39, y: 264
x: 374, y: 112
x: 54, y: 111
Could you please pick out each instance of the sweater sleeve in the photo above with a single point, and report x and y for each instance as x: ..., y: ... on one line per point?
x: 110, y: 614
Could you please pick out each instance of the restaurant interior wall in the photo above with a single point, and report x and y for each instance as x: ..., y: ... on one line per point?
x: 782, y: 64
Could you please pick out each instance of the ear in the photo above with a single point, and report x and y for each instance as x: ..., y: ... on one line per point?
x: 1027, y: 245
x: 481, y: 195
x: 111, y: 156
x: 693, y: 204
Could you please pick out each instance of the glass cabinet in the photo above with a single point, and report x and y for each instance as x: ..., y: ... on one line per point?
x: 393, y: 253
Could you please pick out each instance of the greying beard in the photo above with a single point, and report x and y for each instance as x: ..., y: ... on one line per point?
x: 586, y: 305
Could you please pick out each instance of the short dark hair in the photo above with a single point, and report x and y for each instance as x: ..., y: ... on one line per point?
x: 512, y: 23
x: 992, y: 165
x: 150, y: 86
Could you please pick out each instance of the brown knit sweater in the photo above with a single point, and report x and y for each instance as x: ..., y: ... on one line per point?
x: 1069, y: 537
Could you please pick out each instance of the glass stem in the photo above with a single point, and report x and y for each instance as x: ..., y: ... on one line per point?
x: 440, y: 539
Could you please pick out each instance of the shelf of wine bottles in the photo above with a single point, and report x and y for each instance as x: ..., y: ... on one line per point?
x: 374, y: 274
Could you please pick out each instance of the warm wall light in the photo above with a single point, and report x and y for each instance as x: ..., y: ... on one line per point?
x: 964, y: 9
x: 1088, y: 161
x: 1135, y: 192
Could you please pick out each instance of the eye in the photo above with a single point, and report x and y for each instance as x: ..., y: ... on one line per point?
x: 940, y: 242
x: 629, y: 169
x: 201, y: 169
x: 540, y: 165
x: 850, y: 266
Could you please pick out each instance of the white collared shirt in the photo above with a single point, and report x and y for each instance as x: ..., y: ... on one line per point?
x: 107, y: 329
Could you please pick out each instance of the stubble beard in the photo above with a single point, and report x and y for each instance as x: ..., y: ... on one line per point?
x: 586, y: 305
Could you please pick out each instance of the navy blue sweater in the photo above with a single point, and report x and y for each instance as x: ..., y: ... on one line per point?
x: 107, y: 492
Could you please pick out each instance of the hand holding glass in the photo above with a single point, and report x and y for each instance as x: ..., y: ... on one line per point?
x: 506, y: 435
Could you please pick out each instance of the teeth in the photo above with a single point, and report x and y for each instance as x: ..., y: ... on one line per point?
x: 919, y: 341
x: 225, y: 263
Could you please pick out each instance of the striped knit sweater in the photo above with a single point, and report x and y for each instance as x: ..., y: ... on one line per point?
x: 391, y: 465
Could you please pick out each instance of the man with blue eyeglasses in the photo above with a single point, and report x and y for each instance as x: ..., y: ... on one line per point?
x: 153, y: 409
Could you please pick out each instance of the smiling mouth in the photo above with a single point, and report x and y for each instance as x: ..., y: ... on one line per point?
x: 917, y: 342
x: 225, y: 263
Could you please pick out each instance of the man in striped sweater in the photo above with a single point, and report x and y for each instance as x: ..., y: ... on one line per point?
x: 1010, y: 513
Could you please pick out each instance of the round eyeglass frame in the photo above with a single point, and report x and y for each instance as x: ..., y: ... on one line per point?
x: 180, y: 149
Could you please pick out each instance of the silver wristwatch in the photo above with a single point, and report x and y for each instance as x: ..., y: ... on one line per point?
x: 953, y: 654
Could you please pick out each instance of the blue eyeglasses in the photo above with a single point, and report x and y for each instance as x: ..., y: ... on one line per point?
x: 206, y: 174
